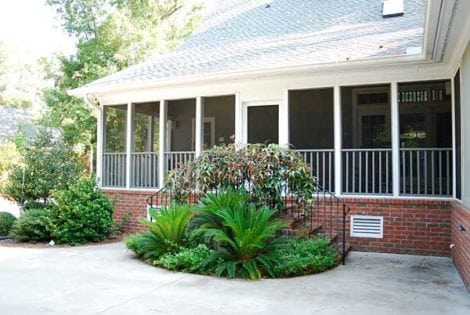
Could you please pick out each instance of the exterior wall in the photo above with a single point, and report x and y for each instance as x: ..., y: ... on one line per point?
x: 461, y: 240
x: 419, y: 227
x: 131, y: 202
x: 465, y: 128
x: 411, y: 226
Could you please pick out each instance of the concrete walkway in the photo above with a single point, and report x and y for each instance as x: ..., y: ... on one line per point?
x: 105, y: 279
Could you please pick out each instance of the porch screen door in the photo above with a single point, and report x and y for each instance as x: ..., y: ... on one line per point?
x: 263, y: 124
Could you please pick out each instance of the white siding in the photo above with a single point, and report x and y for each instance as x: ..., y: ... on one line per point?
x: 465, y: 114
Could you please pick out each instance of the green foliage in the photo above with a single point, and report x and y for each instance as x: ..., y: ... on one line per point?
x: 6, y: 222
x: 9, y: 156
x: 188, y: 260
x: 303, y: 256
x: 244, y: 241
x: 112, y: 35
x: 168, y: 230
x: 32, y: 226
x: 268, y: 168
x: 143, y: 245
x: 81, y: 214
x: 48, y: 164
x: 209, y: 207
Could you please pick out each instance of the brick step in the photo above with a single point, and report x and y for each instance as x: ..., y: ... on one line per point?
x: 300, y: 230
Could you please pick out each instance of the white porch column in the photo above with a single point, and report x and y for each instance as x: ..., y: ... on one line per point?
x: 454, y: 143
x: 100, y: 146
x: 395, y: 115
x: 162, y: 143
x: 238, y: 120
x: 337, y: 125
x: 199, y: 124
x: 284, y: 139
x: 129, y: 144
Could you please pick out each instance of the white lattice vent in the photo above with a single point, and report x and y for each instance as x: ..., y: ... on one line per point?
x: 367, y: 226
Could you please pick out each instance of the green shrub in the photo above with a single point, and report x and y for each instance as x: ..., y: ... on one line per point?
x: 32, y: 226
x: 6, y: 222
x: 167, y: 232
x: 188, y: 260
x: 81, y: 214
x: 303, y: 256
x: 267, y: 167
x: 47, y: 164
x: 244, y: 242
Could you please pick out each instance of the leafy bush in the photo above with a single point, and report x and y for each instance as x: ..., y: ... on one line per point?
x: 6, y: 222
x: 81, y: 214
x: 167, y: 232
x: 269, y: 170
x: 245, y: 241
x: 303, y: 256
x: 32, y: 226
x: 188, y: 260
x: 47, y: 164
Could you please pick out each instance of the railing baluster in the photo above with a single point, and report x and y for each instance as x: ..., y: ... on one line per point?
x: 440, y: 173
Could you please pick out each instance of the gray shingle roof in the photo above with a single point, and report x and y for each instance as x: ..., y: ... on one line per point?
x: 250, y: 35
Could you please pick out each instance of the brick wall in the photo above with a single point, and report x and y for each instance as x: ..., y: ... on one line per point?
x: 420, y: 227
x: 133, y: 202
x: 461, y: 241
x: 411, y: 226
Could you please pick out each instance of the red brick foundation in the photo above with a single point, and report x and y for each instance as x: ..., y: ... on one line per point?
x: 461, y: 240
x: 129, y: 202
x: 411, y: 226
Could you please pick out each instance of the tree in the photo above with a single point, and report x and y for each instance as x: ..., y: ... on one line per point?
x: 111, y: 35
x: 47, y: 164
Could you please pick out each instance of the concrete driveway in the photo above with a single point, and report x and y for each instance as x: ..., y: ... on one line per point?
x: 106, y: 279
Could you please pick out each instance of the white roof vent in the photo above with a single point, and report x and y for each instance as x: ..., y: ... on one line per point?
x: 392, y: 8
x: 367, y: 226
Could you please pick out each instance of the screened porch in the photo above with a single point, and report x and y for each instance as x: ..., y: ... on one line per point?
x: 386, y: 140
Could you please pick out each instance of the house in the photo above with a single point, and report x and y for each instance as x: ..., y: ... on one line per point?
x: 373, y: 93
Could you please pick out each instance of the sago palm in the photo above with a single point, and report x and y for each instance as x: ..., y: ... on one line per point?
x: 168, y: 229
x: 245, y: 241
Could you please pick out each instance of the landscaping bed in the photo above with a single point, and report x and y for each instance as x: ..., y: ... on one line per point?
x: 227, y: 236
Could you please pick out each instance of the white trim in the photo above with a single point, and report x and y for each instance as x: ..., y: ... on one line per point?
x: 100, y: 120
x: 395, y: 116
x: 391, y: 197
x: 366, y: 63
x: 284, y: 138
x: 162, y: 142
x: 337, y: 125
x: 199, y: 125
x: 129, y: 144
x: 238, y: 120
x: 454, y: 143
